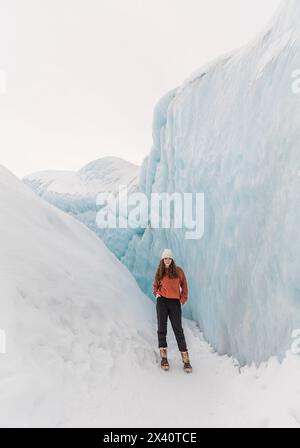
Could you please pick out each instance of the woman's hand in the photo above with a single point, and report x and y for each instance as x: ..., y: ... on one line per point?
x: 157, y: 295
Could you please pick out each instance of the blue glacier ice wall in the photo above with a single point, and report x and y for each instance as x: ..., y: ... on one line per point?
x: 232, y: 131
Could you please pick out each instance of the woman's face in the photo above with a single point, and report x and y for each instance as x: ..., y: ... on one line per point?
x: 167, y: 262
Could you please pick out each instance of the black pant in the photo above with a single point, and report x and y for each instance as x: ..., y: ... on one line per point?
x: 169, y: 307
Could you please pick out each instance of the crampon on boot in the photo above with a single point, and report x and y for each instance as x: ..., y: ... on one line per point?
x: 164, y: 364
x: 186, y: 362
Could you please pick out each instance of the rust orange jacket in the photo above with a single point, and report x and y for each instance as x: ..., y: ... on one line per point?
x: 170, y: 287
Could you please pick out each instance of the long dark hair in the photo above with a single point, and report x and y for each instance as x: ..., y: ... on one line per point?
x: 161, y: 270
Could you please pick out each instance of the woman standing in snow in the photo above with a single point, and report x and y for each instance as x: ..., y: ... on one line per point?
x: 171, y: 290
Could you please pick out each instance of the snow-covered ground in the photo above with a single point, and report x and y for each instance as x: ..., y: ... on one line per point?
x: 82, y: 344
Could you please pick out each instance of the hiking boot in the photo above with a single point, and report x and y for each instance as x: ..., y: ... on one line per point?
x: 186, y: 362
x: 164, y: 360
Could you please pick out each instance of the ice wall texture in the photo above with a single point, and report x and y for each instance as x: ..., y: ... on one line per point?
x: 232, y: 131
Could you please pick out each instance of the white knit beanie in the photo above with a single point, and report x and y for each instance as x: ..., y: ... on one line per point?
x: 167, y: 253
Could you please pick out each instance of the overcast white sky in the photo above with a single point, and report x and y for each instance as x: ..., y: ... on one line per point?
x: 83, y: 76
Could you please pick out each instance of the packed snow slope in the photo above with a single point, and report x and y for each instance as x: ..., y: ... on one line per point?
x: 82, y: 343
x: 232, y: 131
x: 76, y: 193
x: 70, y: 309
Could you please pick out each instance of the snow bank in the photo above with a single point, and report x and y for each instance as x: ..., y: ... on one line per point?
x: 70, y: 311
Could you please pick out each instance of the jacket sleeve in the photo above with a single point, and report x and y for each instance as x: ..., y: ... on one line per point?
x: 184, y: 287
x: 155, y: 287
